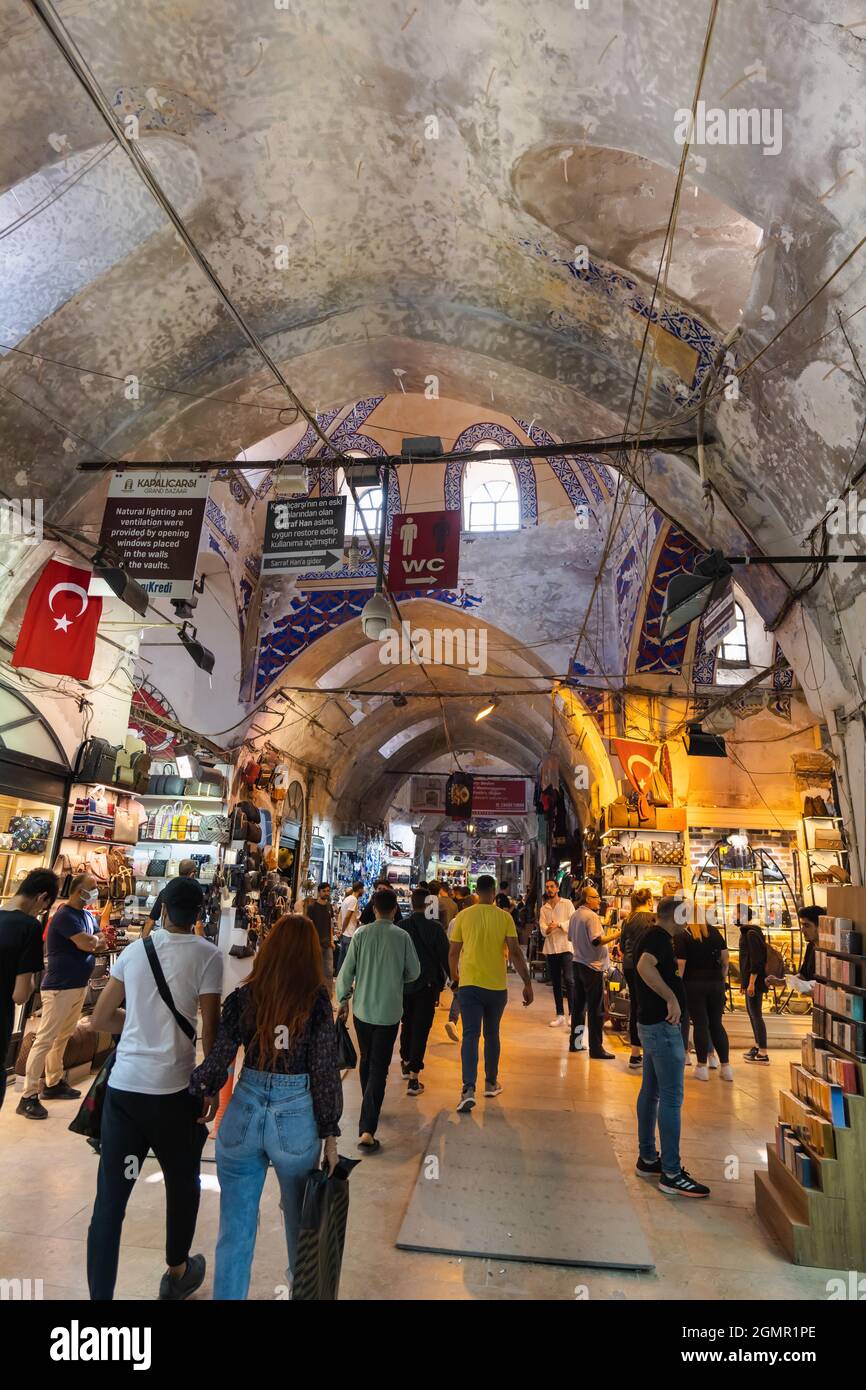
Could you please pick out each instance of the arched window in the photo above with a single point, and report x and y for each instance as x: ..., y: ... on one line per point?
x: 491, y: 501
x: 734, y: 650
x: 369, y: 497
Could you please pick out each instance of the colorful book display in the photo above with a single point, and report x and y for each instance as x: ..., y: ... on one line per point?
x: 813, y: 1194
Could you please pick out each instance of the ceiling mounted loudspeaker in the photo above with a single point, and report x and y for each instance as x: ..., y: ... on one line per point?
x: 112, y: 580
x: 362, y: 472
x: 201, y: 655
x: 689, y: 595
x: 290, y: 479
x: 425, y: 446
x: 376, y: 616
x: 703, y: 745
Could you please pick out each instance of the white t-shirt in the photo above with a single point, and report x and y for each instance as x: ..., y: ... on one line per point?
x: 349, y: 915
x: 555, y: 917
x: 154, y: 1057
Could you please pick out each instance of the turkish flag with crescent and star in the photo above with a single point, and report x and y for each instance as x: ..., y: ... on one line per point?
x: 638, y: 763
x: 58, y: 634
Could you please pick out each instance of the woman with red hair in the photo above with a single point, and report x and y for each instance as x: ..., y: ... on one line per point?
x: 288, y: 1098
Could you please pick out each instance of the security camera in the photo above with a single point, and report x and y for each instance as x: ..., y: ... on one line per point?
x: 375, y: 616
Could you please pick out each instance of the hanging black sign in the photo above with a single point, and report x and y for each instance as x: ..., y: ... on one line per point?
x: 458, y: 796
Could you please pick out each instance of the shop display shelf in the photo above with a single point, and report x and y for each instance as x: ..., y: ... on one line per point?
x: 162, y: 797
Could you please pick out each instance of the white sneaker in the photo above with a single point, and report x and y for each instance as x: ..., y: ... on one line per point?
x: 713, y: 1061
x: 701, y: 1073
x: 727, y: 1072
x: 558, y: 1022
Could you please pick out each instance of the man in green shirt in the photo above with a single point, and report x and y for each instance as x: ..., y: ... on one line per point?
x: 480, y: 937
x: 381, y: 959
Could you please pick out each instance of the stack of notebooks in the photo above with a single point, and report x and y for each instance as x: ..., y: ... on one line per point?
x: 840, y: 1070
x: 795, y: 1158
x: 839, y: 1000
x: 844, y: 972
x: 838, y: 934
x: 849, y: 1036
x: 824, y: 1096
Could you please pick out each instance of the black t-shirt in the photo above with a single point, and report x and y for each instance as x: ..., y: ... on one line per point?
x: 703, y: 957
x: 20, y: 954
x: 651, y: 1007
x: 164, y: 896
x: 321, y: 918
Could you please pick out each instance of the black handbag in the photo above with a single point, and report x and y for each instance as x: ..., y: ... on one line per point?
x: 156, y: 868
x: 88, y: 1118
x: 240, y: 825
x: 322, y: 1233
x: 347, y: 1057
x: 95, y: 761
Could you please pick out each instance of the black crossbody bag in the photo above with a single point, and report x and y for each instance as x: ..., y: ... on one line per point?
x: 165, y: 993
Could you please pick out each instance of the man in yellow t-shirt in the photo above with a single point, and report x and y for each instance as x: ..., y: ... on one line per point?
x: 480, y: 937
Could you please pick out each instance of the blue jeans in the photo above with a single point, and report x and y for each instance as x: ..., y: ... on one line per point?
x: 661, y: 1094
x: 480, y: 1006
x: 269, y: 1120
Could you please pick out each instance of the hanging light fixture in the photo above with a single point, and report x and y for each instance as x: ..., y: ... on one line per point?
x: 488, y: 709
x: 201, y: 655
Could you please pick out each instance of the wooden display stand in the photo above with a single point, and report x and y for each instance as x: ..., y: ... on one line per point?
x: 825, y: 1227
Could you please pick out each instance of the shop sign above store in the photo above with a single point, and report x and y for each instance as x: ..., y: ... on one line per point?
x: 425, y: 550
x: 304, y: 533
x: 153, y: 521
x: 499, y: 796
x: 426, y: 794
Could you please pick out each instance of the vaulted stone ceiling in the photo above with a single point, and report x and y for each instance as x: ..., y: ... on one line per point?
x: 407, y: 156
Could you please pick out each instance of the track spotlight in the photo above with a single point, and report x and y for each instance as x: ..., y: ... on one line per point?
x: 111, y: 579
x: 203, y: 658
x: 488, y: 709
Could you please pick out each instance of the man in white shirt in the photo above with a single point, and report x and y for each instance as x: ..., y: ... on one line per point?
x: 553, y: 921
x: 349, y: 915
x: 166, y: 979
x: 589, y: 943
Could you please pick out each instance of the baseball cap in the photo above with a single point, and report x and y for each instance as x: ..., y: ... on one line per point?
x: 182, y: 898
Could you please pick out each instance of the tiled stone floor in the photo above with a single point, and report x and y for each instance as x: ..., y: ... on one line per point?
x: 703, y: 1250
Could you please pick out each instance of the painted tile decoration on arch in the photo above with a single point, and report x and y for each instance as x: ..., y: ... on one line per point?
x: 312, y: 615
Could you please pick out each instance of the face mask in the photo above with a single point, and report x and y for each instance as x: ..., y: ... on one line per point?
x: 91, y: 896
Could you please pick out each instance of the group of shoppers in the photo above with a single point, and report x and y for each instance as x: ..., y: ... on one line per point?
x: 286, y: 1104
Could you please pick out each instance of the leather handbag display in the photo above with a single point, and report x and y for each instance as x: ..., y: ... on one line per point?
x: 214, y: 830
x: 156, y: 868
x: 173, y: 783
x: 664, y: 852
x: 640, y: 852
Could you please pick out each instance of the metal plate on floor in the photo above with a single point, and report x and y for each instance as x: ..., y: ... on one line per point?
x: 511, y: 1185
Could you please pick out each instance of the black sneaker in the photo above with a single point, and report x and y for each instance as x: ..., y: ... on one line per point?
x: 62, y: 1091
x: 602, y: 1056
x: 761, y: 1057
x: 30, y: 1106
x: 682, y: 1185
x: 635, y: 1062
x: 467, y: 1099
x: 173, y: 1290
x: 648, y: 1170
x: 750, y: 1055
x: 414, y: 1088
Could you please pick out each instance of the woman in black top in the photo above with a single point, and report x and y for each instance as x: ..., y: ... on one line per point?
x: 703, y: 959
x: 634, y: 928
x: 753, y: 982
x: 288, y: 1098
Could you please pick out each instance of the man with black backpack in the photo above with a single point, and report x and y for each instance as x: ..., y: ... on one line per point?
x: 421, y: 995
x: 166, y: 979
